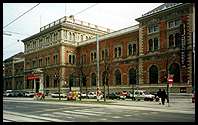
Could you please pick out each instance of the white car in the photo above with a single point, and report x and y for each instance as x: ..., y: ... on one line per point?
x: 142, y: 95
x: 83, y: 95
x: 56, y: 95
x: 29, y: 94
x: 91, y: 95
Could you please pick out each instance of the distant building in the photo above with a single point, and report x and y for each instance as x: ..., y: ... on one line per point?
x: 14, y: 72
x: 138, y: 56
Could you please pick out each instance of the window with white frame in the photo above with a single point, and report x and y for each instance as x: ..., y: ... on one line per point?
x: 131, y: 49
x: 72, y: 58
x: 105, y: 53
x: 174, y: 23
x: 93, y: 56
x: 117, y: 52
x: 174, y: 40
x: 153, y: 44
x: 55, y: 59
x: 153, y: 28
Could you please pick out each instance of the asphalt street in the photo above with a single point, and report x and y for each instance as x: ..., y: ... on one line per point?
x: 20, y: 110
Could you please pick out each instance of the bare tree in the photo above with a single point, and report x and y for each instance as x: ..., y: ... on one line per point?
x: 81, y: 69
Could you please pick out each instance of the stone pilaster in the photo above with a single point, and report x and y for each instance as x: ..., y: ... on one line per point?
x: 140, y: 72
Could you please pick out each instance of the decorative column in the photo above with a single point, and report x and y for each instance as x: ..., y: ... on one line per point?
x: 41, y: 87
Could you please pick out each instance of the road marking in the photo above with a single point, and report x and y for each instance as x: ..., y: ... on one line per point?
x: 49, y: 115
x: 127, y: 115
x: 66, y: 114
x: 34, y: 117
x: 90, y: 111
x: 144, y: 113
x: 154, y: 112
x: 82, y: 113
x: 116, y: 117
x: 103, y: 119
x: 14, y: 118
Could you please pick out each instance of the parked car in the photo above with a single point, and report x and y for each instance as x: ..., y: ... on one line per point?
x: 83, y: 95
x: 142, y: 95
x: 29, y: 94
x: 114, y: 95
x: 9, y: 93
x: 56, y: 95
x: 122, y: 95
x: 19, y: 93
x: 91, y: 95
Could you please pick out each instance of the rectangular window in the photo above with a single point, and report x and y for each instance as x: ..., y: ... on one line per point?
x: 170, y: 24
x: 153, y: 28
x: 115, y: 53
x: 119, y: 51
x: 55, y: 59
x: 129, y: 49
x: 73, y: 62
x: 70, y: 59
x: 155, y: 43
x: 33, y: 64
x: 177, y: 23
x: 94, y: 56
x: 134, y: 49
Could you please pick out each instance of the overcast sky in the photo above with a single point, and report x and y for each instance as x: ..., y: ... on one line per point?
x: 110, y: 15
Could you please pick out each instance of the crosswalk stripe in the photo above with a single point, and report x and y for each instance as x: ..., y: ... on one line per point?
x: 116, y: 117
x: 89, y: 111
x: 83, y: 113
x: 34, y: 117
x: 66, y: 114
x: 127, y: 115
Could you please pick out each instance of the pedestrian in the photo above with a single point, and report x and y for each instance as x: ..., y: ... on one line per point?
x: 163, y: 96
x: 159, y: 93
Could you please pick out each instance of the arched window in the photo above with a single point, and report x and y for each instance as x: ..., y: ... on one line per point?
x: 132, y: 76
x: 174, y: 69
x: 171, y: 42
x: 153, y: 75
x: 117, y: 77
x: 177, y: 40
x: 93, y: 79
x: 150, y: 45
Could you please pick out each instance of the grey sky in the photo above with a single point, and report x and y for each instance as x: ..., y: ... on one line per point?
x: 110, y: 15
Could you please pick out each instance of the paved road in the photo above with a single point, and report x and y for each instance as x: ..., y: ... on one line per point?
x: 32, y: 111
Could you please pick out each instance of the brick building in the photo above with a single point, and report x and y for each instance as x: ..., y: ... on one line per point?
x: 14, y: 72
x: 141, y: 55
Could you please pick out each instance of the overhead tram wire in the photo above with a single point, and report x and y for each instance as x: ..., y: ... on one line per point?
x: 20, y: 16
x: 86, y: 9
x: 16, y: 33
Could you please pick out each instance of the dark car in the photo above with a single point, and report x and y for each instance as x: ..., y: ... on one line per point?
x: 114, y: 95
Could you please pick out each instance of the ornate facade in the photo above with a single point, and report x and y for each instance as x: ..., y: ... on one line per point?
x: 140, y: 55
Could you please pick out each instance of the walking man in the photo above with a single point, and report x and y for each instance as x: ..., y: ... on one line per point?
x: 163, y: 96
x: 159, y: 93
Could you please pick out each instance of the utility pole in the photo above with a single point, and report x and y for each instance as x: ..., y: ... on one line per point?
x: 97, y: 90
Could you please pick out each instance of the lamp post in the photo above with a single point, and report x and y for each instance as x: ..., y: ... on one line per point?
x: 57, y: 79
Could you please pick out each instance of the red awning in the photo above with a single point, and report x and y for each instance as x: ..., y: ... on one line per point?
x: 32, y: 77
